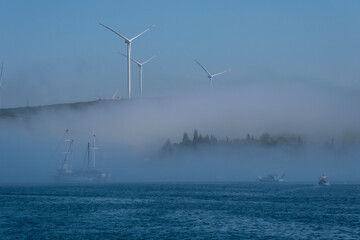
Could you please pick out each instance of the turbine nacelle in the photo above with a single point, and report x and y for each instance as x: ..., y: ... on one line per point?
x: 210, y: 76
x: 140, y: 68
x: 140, y: 64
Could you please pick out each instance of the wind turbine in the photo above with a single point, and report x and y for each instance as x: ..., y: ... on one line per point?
x: 140, y: 65
x: 128, y: 42
x: 210, y: 76
x: 1, y: 87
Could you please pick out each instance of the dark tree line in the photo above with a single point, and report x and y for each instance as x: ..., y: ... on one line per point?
x: 265, y: 140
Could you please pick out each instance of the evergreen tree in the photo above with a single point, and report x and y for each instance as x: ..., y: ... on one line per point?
x: 213, y: 139
x: 266, y: 139
x: 186, y: 140
x: 167, y: 146
x: 200, y: 139
x: 207, y: 139
x: 196, y: 137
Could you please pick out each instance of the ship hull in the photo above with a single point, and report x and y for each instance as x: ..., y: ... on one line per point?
x: 82, y: 176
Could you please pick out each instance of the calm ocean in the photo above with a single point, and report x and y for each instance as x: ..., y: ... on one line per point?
x: 181, y: 211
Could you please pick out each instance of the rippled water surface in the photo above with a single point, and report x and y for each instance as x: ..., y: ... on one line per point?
x: 181, y: 211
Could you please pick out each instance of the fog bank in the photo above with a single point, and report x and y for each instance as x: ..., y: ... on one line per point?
x: 130, y: 134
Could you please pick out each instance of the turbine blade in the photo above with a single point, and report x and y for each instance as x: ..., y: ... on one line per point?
x: 113, y: 96
x: 115, y: 32
x: 203, y: 68
x: 149, y: 59
x: 221, y: 73
x: 142, y: 33
x: 130, y: 59
x: 122, y: 54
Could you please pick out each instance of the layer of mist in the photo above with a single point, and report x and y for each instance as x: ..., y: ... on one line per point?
x: 130, y: 134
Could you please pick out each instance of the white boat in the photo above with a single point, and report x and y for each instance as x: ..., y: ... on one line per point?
x: 272, y: 178
x: 89, y: 175
x: 323, y: 180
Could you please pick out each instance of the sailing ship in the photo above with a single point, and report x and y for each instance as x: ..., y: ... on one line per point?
x: 89, y: 175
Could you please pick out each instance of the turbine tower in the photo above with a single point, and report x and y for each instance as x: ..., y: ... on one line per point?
x: 1, y: 87
x: 128, y: 42
x: 140, y: 65
x: 211, y: 76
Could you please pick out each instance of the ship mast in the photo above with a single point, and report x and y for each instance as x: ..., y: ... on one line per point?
x: 94, y: 148
x: 88, y: 155
x: 67, y: 153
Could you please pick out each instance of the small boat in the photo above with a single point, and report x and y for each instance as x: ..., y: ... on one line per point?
x: 89, y: 175
x: 272, y: 178
x: 323, y: 180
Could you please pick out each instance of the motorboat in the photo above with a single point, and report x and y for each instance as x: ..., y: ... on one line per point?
x: 323, y: 180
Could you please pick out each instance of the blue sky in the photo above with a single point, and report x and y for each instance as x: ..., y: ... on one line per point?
x: 56, y: 51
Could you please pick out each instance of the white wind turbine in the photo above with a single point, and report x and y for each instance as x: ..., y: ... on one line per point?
x: 210, y: 76
x: 128, y: 42
x: 1, y: 87
x: 140, y: 65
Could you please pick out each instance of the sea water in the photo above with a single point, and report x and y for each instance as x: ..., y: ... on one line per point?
x: 181, y: 211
